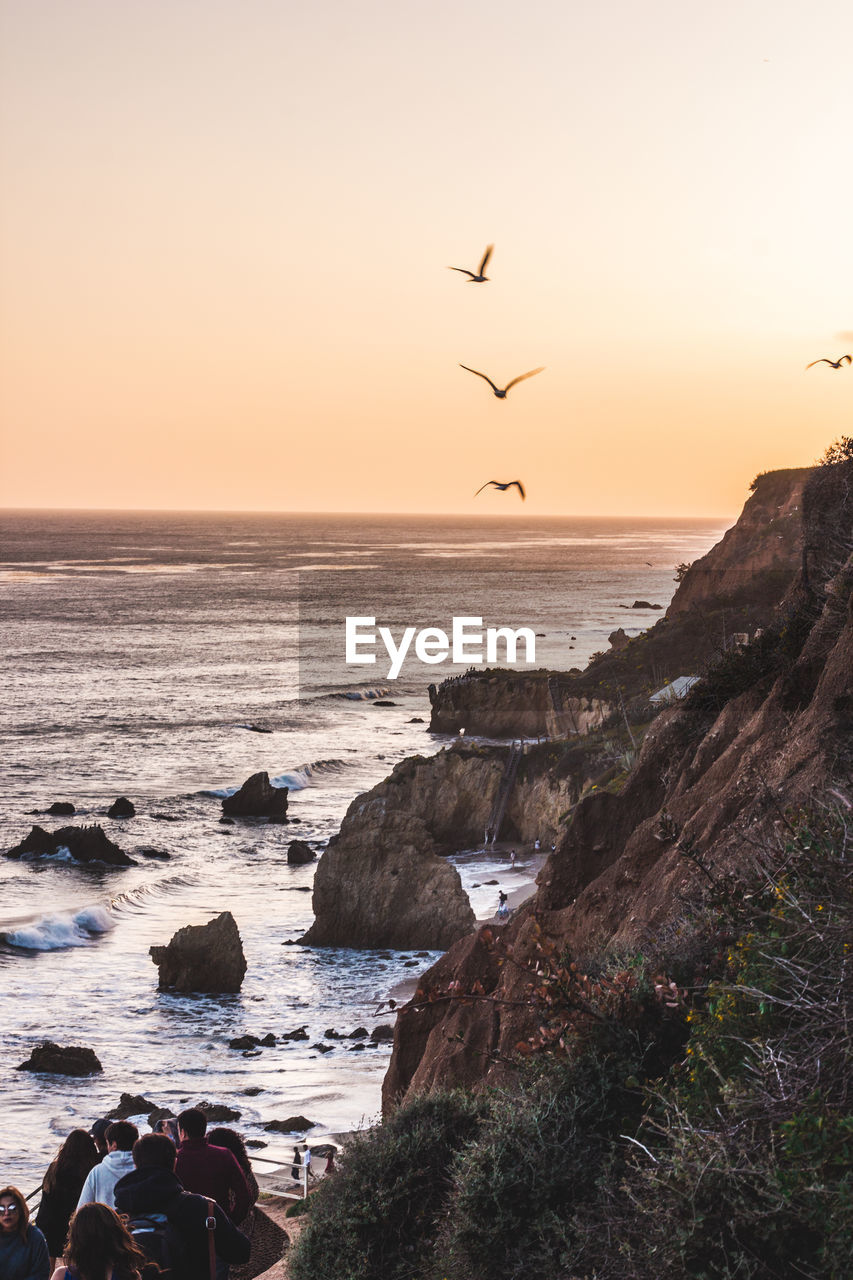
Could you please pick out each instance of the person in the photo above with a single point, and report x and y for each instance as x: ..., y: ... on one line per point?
x: 99, y: 1247
x: 169, y: 1126
x: 306, y: 1163
x: 537, y: 844
x: 61, y: 1188
x: 330, y: 1164
x: 512, y: 858
x: 503, y: 907
x: 98, y: 1132
x: 208, y: 1170
x: 118, y: 1161
x: 153, y: 1188
x: 297, y: 1163
x: 231, y: 1141
x: 23, y: 1249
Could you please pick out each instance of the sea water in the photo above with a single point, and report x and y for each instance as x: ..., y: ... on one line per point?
x: 166, y: 657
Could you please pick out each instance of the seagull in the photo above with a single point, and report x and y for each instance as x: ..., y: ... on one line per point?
x: 479, y: 278
x: 501, y: 395
x: 835, y: 364
x: 497, y: 485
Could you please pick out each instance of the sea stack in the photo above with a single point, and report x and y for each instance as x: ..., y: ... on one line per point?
x: 206, y: 958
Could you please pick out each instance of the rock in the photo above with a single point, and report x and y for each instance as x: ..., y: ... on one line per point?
x: 227, y: 822
x: 257, y: 1144
x: 165, y: 817
x: 299, y: 852
x: 268, y: 1040
x: 417, y: 720
x: 217, y: 1113
x: 207, y: 957
x: 84, y: 844
x: 354, y: 1048
x: 382, y: 1033
x: 360, y: 1033
x: 644, y: 604
x: 160, y: 1113
x: 160, y: 854
x: 332, y: 1034
x: 618, y: 638
x: 252, y: 1092
x: 121, y: 808
x: 58, y: 1060
x: 299, y: 1034
x: 384, y: 702
x: 322, y: 1048
x: 293, y: 1124
x: 257, y: 798
x: 243, y: 1042
x: 130, y: 1104
x: 61, y: 809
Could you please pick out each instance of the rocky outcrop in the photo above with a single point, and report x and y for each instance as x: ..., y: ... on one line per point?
x: 764, y: 734
x: 121, y: 808
x: 735, y: 588
x: 130, y: 1104
x: 257, y: 798
x: 83, y: 844
x: 62, y: 1060
x: 298, y: 853
x: 61, y: 809
x: 207, y: 957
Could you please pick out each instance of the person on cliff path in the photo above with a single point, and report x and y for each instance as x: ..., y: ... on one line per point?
x: 99, y: 1244
x: 209, y: 1170
x: 23, y: 1248
x: 297, y: 1163
x: 118, y: 1161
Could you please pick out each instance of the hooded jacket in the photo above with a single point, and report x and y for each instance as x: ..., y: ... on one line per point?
x: 101, y: 1180
x: 148, y: 1191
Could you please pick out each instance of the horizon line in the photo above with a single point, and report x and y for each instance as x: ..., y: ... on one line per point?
x: 296, y: 511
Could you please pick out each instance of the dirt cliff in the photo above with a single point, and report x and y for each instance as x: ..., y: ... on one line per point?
x: 769, y: 729
x: 735, y: 588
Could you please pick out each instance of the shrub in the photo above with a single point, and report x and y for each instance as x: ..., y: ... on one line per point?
x: 375, y: 1217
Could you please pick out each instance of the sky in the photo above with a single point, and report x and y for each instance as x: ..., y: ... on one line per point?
x: 226, y: 228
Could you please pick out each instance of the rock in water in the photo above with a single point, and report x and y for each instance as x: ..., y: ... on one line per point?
x: 121, y: 808
x: 59, y: 1060
x: 61, y: 809
x: 84, y: 844
x: 299, y: 852
x: 206, y: 957
x: 257, y: 798
x: 130, y: 1104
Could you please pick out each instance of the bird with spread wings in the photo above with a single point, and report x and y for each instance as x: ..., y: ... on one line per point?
x: 477, y: 278
x: 833, y: 364
x: 497, y: 484
x: 501, y: 394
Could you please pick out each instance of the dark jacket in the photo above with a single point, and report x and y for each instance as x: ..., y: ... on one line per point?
x: 24, y: 1259
x: 159, y: 1191
x: 214, y: 1171
x: 55, y: 1210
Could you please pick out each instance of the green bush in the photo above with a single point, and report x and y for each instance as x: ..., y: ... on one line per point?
x: 375, y: 1217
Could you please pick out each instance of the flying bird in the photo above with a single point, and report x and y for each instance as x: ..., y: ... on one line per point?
x: 501, y: 395
x: 479, y: 278
x: 497, y: 485
x: 834, y: 364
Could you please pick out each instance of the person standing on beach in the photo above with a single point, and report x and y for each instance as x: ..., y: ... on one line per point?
x: 503, y: 908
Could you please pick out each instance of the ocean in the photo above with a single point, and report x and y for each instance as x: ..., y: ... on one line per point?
x: 166, y: 657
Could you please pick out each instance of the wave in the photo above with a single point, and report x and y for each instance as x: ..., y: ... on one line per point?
x: 61, y: 931
x: 135, y: 900
x: 362, y: 695
x: 295, y: 779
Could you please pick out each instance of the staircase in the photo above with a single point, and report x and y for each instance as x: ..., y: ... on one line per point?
x: 496, y: 817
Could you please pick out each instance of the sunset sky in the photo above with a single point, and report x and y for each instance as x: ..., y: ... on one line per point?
x: 225, y: 229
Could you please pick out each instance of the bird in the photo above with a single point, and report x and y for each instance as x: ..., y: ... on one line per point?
x: 501, y: 395
x: 835, y: 364
x: 498, y: 485
x: 479, y: 278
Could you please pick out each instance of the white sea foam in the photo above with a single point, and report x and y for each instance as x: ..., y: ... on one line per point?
x: 58, y: 932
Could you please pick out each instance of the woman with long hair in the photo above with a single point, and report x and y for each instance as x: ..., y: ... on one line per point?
x: 61, y: 1188
x: 23, y: 1248
x: 99, y: 1247
x: 231, y: 1140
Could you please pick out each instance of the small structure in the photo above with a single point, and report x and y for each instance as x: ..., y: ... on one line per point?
x: 671, y: 692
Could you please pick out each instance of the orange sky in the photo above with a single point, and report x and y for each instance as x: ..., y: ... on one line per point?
x: 225, y: 229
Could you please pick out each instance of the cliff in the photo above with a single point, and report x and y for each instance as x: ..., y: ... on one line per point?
x: 383, y: 880
x: 734, y: 588
x: 767, y: 730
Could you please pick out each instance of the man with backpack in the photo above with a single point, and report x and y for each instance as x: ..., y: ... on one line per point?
x: 189, y: 1237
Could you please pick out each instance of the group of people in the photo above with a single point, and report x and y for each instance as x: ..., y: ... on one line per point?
x: 172, y: 1205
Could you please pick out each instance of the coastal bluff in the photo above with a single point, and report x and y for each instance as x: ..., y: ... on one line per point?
x: 767, y: 731
x: 736, y: 587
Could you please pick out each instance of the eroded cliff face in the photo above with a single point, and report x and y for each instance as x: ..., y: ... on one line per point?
x: 734, y: 588
x: 384, y: 881
x: 715, y: 778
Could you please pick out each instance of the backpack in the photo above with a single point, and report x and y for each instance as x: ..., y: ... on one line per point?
x: 162, y: 1245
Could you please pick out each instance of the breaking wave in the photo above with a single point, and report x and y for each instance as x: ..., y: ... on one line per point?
x: 60, y: 931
